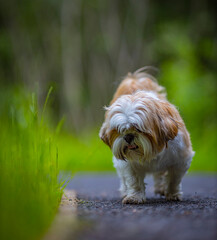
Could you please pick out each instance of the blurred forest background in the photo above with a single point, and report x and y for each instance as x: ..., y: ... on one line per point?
x: 83, y: 48
x: 60, y: 63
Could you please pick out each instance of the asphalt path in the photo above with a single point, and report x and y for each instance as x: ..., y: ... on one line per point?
x: 103, y: 216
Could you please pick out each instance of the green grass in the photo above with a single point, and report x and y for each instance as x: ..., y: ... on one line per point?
x: 30, y: 192
x: 89, y: 153
x: 84, y: 153
x: 31, y: 155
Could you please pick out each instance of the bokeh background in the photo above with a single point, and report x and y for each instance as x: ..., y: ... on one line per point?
x: 83, y: 48
x: 60, y: 63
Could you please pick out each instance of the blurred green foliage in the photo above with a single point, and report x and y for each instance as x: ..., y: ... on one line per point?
x: 193, y: 90
x: 83, y: 48
x: 84, y: 153
x: 30, y: 191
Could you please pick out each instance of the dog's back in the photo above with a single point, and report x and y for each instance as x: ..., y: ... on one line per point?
x: 139, y: 81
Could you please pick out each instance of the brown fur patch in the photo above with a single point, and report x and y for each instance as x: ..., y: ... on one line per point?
x: 131, y: 84
x: 162, y: 118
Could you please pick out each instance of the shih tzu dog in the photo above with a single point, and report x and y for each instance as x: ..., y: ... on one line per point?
x: 146, y: 135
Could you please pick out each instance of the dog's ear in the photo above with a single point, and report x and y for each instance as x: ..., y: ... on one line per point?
x: 169, y: 122
x: 103, y: 134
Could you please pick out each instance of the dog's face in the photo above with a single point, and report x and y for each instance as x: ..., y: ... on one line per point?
x: 138, y: 126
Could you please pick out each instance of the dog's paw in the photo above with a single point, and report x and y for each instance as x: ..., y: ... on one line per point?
x: 174, y: 196
x: 134, y: 199
x: 123, y: 192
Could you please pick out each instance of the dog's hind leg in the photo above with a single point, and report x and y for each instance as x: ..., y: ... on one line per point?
x: 159, y: 183
x: 174, y: 187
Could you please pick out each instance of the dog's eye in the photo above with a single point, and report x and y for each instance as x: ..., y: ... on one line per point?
x: 138, y: 130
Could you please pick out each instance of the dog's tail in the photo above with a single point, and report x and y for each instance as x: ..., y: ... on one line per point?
x: 147, y: 81
x: 140, y: 80
x: 141, y: 72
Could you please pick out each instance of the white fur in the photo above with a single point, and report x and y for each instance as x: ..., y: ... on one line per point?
x: 139, y: 140
x: 170, y: 160
x: 130, y: 116
x: 142, y: 79
x: 123, y: 115
x: 152, y: 95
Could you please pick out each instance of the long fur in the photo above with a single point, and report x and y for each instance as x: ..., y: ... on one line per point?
x: 160, y: 144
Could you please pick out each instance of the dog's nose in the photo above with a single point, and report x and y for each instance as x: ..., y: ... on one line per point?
x: 129, y: 138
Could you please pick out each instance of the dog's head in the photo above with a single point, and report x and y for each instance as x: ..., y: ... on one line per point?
x: 138, y: 126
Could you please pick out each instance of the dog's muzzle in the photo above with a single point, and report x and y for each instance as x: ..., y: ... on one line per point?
x: 129, y: 139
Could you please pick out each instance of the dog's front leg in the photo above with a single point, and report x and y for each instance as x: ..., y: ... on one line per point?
x: 132, y: 182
